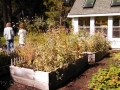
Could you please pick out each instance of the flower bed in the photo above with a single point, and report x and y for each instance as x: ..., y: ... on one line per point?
x: 51, y: 80
x: 53, y: 58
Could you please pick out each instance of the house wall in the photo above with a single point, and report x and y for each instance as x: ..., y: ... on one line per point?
x: 92, y: 25
x: 75, y: 24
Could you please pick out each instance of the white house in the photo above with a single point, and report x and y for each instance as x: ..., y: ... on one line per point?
x: 94, y: 15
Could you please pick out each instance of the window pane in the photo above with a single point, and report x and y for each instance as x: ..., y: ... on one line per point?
x: 115, y: 2
x: 89, y: 3
x: 116, y: 32
x: 116, y: 28
x: 116, y: 21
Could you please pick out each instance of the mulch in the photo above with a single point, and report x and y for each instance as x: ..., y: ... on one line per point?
x: 78, y: 83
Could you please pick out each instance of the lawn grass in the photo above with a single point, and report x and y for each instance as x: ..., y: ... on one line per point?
x: 4, y: 41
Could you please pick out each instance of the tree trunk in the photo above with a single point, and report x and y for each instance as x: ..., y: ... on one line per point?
x: 7, y: 11
x: 4, y: 12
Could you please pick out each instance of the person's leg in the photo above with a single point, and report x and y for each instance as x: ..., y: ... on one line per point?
x: 12, y: 45
x: 8, y: 47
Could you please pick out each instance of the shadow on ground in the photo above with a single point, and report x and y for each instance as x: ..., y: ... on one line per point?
x: 5, y: 81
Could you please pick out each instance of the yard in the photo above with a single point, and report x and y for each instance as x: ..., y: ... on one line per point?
x: 63, y: 43
x: 80, y: 82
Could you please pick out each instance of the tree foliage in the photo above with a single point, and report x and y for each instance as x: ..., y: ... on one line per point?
x: 54, y: 12
x: 57, y: 11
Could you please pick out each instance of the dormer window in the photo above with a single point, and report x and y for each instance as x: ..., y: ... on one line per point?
x: 89, y: 3
x: 115, y: 3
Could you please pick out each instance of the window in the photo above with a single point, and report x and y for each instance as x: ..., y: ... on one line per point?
x: 115, y: 3
x: 89, y: 3
x: 101, y: 24
x: 116, y: 27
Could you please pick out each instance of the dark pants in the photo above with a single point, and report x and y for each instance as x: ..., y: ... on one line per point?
x: 10, y: 45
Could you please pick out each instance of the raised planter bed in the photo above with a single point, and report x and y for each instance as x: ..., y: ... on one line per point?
x: 4, y: 64
x: 4, y: 70
x: 51, y: 80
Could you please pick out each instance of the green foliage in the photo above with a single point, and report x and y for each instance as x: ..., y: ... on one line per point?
x: 94, y: 43
x: 35, y: 25
x: 115, y: 60
x: 57, y: 11
x: 54, y: 12
x: 83, y: 33
x: 117, y: 57
x: 106, y: 79
x: 3, y: 40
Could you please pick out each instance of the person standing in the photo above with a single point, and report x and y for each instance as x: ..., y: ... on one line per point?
x: 22, y: 34
x: 9, y: 37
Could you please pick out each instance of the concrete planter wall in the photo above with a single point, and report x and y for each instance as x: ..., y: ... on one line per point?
x: 38, y: 79
x: 51, y: 80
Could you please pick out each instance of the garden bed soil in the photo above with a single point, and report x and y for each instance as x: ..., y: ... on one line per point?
x: 77, y: 83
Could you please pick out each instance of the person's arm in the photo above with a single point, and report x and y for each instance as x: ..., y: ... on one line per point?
x: 19, y: 32
x: 5, y: 34
x: 12, y: 33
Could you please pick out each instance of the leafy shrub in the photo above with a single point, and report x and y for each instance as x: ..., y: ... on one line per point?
x: 107, y: 79
x: 53, y: 50
x: 116, y: 59
x: 94, y: 43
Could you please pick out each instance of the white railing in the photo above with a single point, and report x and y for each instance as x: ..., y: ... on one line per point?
x: 17, y: 60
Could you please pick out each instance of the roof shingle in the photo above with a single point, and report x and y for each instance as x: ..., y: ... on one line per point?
x: 100, y: 7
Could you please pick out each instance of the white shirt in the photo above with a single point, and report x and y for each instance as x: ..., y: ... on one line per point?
x: 22, y: 35
x: 8, y: 33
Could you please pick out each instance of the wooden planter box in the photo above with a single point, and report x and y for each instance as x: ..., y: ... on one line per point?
x: 51, y: 80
